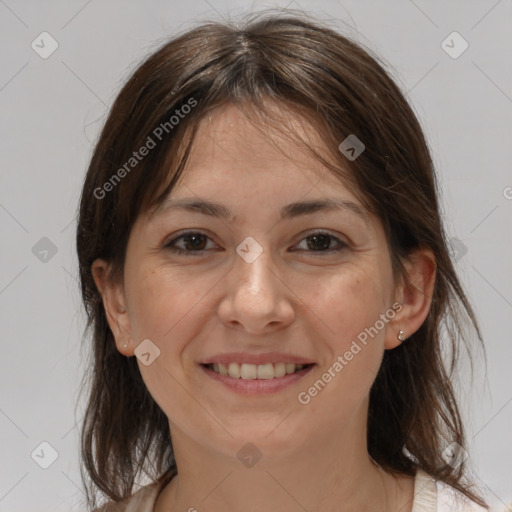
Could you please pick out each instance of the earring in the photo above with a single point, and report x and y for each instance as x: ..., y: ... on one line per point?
x: 401, y: 336
x: 125, y: 345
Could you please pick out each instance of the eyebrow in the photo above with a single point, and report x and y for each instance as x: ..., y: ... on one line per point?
x: 289, y: 211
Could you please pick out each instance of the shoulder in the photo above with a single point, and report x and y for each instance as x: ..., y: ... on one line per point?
x: 432, y: 495
x: 142, y: 500
x: 450, y: 499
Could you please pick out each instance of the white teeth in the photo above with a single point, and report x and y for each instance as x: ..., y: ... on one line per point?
x: 248, y: 371
x: 279, y: 370
x: 266, y: 371
x: 234, y: 370
x: 256, y: 371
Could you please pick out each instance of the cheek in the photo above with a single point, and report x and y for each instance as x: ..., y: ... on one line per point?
x: 160, y: 302
x: 351, y: 301
x: 170, y: 309
x: 350, y: 305
x: 163, y: 305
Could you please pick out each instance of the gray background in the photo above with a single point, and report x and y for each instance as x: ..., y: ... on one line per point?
x: 52, y: 110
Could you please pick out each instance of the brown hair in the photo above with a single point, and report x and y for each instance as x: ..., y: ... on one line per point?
x: 342, y: 89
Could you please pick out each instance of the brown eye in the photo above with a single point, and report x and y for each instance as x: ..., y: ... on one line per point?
x: 192, y: 241
x: 321, y: 242
x: 196, y: 242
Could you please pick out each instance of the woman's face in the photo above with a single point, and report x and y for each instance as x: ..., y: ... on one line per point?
x: 269, y: 282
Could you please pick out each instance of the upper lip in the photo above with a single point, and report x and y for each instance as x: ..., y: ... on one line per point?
x: 257, y: 359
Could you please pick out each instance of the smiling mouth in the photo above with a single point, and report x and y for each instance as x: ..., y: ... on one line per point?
x: 256, y: 371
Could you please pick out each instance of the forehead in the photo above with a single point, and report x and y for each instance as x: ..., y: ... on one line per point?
x: 234, y: 143
x: 236, y: 164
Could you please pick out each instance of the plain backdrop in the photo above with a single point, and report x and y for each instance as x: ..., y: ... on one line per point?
x: 52, y: 110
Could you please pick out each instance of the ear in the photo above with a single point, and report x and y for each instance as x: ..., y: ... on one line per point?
x: 114, y: 302
x: 414, y: 293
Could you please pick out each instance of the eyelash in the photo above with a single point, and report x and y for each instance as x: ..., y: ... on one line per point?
x: 169, y: 246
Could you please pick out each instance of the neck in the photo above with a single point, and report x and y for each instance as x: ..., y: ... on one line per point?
x: 327, y: 474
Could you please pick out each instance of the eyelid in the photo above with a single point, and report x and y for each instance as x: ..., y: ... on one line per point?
x: 167, y: 244
x: 341, y: 244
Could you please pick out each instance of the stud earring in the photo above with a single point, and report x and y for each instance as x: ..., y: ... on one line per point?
x: 401, y: 336
x: 125, y: 345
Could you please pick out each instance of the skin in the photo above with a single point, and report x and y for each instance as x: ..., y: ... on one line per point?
x: 306, y: 302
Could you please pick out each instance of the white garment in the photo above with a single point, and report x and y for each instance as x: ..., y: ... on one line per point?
x: 436, y: 496
x: 429, y: 496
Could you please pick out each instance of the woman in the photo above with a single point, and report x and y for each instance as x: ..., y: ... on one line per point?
x: 267, y: 278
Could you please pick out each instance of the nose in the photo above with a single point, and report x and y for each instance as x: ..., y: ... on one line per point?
x: 257, y: 300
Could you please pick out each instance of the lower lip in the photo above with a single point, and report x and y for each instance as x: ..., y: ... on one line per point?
x: 257, y: 386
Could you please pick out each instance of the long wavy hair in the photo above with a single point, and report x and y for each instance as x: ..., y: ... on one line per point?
x: 339, y: 87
